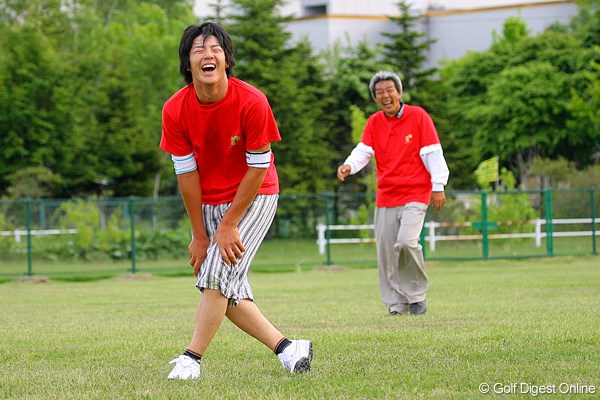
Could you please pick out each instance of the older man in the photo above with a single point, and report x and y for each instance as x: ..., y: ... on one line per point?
x: 411, y: 171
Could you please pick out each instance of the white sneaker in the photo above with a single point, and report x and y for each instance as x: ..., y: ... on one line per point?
x: 297, y: 356
x: 185, y: 368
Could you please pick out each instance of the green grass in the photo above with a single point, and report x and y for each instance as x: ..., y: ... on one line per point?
x: 501, y: 321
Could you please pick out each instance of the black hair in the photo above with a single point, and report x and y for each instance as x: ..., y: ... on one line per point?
x: 205, y: 29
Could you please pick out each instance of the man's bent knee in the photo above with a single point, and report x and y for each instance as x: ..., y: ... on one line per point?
x: 401, y: 245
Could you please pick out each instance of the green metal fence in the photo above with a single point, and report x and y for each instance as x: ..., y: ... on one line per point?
x: 131, y: 235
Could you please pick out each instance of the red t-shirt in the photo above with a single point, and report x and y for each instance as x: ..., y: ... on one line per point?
x: 401, y: 175
x: 219, y: 134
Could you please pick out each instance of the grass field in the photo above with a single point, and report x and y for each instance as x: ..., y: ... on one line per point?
x: 530, y: 323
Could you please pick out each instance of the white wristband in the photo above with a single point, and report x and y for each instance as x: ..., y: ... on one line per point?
x: 184, y: 164
x: 259, y: 160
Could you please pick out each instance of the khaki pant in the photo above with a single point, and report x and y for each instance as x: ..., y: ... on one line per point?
x: 402, y: 278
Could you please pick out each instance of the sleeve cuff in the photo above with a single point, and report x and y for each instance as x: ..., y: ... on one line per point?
x: 438, y: 187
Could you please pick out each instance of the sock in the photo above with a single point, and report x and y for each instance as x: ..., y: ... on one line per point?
x: 283, y: 343
x: 192, y: 355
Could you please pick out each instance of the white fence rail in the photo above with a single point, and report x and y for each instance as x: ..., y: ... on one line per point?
x: 35, y: 232
x: 432, y: 237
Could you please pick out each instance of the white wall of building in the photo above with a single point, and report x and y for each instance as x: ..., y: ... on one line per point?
x: 456, y: 33
x: 324, y: 32
x: 458, y: 26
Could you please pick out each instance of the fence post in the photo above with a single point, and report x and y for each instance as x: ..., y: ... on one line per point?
x: 432, y: 226
x: 321, y: 242
x: 538, y: 232
x: 549, y: 227
x: 593, y: 198
x: 42, y: 212
x: 327, y: 231
x: 422, y: 241
x: 132, y: 225
x: 29, y: 249
x: 484, y: 226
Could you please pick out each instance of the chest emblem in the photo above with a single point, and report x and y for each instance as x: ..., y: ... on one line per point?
x: 234, y: 140
x: 408, y: 138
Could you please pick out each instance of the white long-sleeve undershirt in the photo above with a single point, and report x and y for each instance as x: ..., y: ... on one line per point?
x: 359, y: 157
x: 434, y: 161
x: 432, y: 157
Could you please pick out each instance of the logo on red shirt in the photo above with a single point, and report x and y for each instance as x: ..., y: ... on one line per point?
x: 234, y: 140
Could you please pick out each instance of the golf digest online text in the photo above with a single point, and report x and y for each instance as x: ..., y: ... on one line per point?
x: 535, y: 390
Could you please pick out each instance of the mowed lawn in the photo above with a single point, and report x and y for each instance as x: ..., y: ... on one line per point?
x: 532, y: 325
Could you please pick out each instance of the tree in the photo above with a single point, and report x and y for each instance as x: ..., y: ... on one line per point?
x: 407, y: 52
x: 219, y: 11
x: 82, y: 87
x: 367, y: 177
x: 347, y: 72
x: 585, y: 120
x: 586, y: 25
x: 462, y: 89
x: 547, y: 111
x: 502, y: 103
x: 291, y: 79
x: 32, y: 182
x: 523, y: 117
x: 37, y: 102
x: 134, y: 85
x: 547, y: 173
x: 560, y: 174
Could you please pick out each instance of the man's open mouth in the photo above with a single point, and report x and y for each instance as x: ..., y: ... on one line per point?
x: 209, y: 68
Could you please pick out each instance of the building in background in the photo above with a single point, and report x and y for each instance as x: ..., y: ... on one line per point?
x: 458, y: 31
x: 457, y: 26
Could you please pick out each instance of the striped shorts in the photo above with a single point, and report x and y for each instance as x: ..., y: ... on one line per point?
x: 215, y: 274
